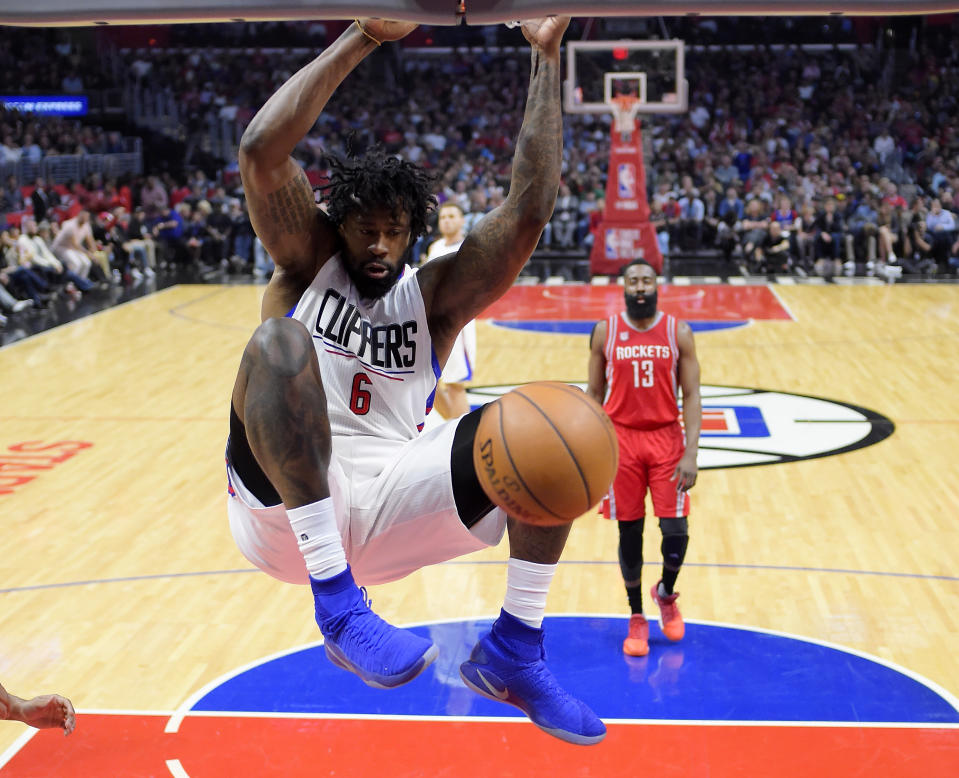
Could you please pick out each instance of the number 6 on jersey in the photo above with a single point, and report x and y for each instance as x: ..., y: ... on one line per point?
x: 360, y: 397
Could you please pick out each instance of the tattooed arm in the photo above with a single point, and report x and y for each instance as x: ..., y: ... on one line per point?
x: 278, y: 193
x: 459, y: 287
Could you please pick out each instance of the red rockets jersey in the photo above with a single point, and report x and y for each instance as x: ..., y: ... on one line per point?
x: 642, y: 372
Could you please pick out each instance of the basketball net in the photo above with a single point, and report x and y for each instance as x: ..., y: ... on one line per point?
x: 625, y: 108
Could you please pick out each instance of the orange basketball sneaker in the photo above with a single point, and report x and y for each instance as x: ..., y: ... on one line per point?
x: 637, y: 641
x: 671, y: 619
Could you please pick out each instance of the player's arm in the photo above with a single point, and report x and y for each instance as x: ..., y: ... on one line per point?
x: 686, y: 470
x: 459, y: 287
x: 279, y: 196
x: 44, y: 712
x: 6, y: 704
x: 596, y: 388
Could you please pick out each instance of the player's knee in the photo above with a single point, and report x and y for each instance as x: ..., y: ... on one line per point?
x: 677, y: 525
x: 282, y: 346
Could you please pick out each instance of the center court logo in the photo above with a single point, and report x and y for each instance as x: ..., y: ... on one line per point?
x: 745, y: 427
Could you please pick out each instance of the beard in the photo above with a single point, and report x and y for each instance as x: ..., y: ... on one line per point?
x: 374, y: 288
x: 641, y: 307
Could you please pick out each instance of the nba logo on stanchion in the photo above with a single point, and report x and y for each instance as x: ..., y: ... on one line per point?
x: 621, y: 243
x: 626, y: 179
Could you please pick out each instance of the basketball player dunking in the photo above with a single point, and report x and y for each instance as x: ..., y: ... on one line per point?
x: 331, y: 483
x: 636, y: 360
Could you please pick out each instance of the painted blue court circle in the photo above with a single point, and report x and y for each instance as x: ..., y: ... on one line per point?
x: 717, y: 673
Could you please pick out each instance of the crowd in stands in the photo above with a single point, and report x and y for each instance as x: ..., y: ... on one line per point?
x: 812, y: 124
x: 69, y: 240
x: 34, y: 138
x: 829, y: 159
x: 48, y: 61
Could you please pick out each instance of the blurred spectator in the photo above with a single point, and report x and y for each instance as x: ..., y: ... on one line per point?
x: 753, y: 231
x: 829, y: 228
x: 773, y: 251
x: 589, y: 204
x: 263, y: 265
x: 153, y: 197
x: 560, y: 232
x: 241, y: 235
x: 10, y: 152
x: 479, y: 207
x: 43, y: 199
x: 75, y: 248
x: 34, y: 249
x: 8, y: 303
x: 16, y: 272
x: 884, y: 145
x: 804, y: 245
x: 863, y: 231
x: 168, y: 233
x: 940, y: 234
x: 138, y: 243
x: 692, y: 211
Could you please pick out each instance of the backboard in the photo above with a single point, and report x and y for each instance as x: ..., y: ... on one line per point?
x: 652, y: 71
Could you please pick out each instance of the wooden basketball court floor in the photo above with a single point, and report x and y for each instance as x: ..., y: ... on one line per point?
x: 120, y: 585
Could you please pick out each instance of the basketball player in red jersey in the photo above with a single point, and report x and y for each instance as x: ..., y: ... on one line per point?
x: 637, y: 359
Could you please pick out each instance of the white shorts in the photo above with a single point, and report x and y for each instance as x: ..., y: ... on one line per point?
x: 462, y: 361
x: 394, y: 506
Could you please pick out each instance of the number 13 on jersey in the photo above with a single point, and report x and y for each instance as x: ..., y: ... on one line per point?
x: 642, y: 372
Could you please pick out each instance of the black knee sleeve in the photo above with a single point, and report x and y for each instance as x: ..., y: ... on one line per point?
x: 472, y: 503
x: 675, y: 541
x: 674, y: 526
x: 631, y: 549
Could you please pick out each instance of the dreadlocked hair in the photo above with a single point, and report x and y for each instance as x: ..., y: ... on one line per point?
x: 378, y: 180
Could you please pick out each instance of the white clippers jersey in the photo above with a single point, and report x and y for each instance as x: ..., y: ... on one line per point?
x: 376, y: 356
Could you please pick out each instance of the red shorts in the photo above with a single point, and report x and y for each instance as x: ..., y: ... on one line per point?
x: 647, y: 460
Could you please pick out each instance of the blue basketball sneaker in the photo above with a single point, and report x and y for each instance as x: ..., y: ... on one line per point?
x: 358, y: 640
x: 508, y: 665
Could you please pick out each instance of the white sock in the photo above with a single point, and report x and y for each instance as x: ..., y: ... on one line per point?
x: 527, y: 584
x: 318, y: 538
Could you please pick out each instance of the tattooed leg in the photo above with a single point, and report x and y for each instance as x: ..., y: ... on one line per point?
x: 542, y: 545
x: 279, y: 397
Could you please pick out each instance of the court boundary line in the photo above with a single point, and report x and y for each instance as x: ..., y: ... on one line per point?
x: 177, y: 770
x: 782, y: 302
x: 303, y: 715
x: 15, y: 747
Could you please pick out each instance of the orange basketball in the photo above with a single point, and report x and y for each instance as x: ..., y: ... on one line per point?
x: 545, y: 453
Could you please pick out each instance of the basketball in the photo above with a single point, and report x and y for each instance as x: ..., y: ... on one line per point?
x: 545, y: 453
